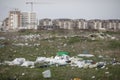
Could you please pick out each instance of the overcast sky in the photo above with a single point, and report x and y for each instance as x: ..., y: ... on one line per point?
x: 74, y: 9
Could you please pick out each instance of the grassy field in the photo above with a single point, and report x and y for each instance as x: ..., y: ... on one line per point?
x: 49, y: 47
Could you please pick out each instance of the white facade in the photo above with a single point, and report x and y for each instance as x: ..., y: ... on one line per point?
x: 14, y: 20
x: 28, y: 20
x: 81, y: 24
x: 46, y: 22
x: 65, y: 23
x: 119, y: 25
x: 60, y: 24
x: 97, y: 25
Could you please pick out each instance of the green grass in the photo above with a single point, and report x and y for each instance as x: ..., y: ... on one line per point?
x: 73, y: 40
x: 74, y: 45
x: 113, y: 44
x: 111, y: 32
x: 59, y: 73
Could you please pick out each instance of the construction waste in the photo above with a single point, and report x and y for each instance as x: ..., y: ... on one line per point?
x: 61, y: 59
x: 100, y: 36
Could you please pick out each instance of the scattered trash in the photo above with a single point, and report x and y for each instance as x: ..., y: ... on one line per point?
x: 18, y: 61
x: 26, y: 44
x: 93, y: 77
x: 86, y: 55
x: 101, y: 65
x: 61, y: 59
x: 106, y: 68
x: 1, y: 45
x: 40, y: 59
x: 100, y: 56
x: 2, y: 38
x: 76, y: 79
x: 28, y: 63
x: 47, y: 74
x: 65, y: 45
x: 58, y: 61
x: 23, y: 74
x: 61, y: 53
x: 92, y: 65
x: 107, y: 72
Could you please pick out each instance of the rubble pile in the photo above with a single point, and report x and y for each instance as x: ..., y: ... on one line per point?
x: 100, y: 36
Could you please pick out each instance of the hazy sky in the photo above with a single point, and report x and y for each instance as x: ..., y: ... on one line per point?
x: 74, y: 9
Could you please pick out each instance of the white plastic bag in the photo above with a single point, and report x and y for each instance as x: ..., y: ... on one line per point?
x: 47, y: 74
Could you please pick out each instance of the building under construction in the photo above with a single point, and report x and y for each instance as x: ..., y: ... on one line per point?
x: 20, y: 20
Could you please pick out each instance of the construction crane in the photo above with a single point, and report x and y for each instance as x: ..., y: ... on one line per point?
x: 32, y: 3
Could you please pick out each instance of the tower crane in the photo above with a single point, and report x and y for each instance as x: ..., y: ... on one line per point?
x: 32, y: 3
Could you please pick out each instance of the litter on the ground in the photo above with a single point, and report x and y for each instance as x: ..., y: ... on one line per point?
x: 86, y: 55
x: 61, y: 59
x: 47, y: 74
x: 28, y: 63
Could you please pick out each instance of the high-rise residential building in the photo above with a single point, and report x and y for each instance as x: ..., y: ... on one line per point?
x: 14, y: 20
x: 21, y: 20
x: 28, y: 20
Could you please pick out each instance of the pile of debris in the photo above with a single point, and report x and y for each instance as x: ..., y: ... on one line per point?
x: 61, y: 59
x: 20, y: 62
x: 100, y: 36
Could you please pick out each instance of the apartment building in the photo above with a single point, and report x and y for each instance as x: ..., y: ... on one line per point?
x: 47, y: 24
x: 14, y: 20
x: 28, y: 20
x: 81, y: 24
x: 118, y: 25
x: 20, y: 20
x: 64, y: 23
x: 111, y: 25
